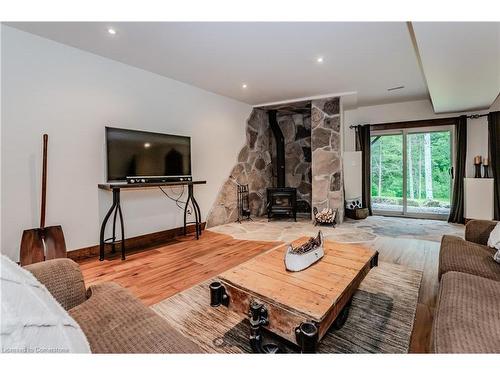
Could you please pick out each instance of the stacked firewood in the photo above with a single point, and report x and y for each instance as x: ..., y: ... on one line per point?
x: 311, y: 244
x: 327, y: 215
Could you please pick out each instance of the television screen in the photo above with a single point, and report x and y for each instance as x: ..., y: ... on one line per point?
x: 138, y: 153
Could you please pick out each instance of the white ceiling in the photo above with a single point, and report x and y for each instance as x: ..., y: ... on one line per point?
x: 461, y: 62
x: 278, y: 60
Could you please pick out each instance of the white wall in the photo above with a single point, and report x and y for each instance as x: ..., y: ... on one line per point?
x: 477, y: 129
x: 72, y: 95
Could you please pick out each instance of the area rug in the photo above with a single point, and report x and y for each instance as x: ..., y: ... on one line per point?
x: 380, y: 319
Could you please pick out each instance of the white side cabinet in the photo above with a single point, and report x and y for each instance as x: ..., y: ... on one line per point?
x: 478, y: 198
x: 352, y: 174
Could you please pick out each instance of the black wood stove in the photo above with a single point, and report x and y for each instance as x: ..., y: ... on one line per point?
x: 281, y: 200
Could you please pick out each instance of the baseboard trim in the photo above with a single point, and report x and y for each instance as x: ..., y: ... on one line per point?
x: 134, y: 244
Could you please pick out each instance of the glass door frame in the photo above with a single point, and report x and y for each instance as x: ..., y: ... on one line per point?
x: 404, y: 133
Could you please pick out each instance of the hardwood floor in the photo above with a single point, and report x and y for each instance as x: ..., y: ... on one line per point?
x: 160, y: 272
x: 419, y: 255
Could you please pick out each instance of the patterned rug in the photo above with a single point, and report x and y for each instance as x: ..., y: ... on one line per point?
x: 380, y: 319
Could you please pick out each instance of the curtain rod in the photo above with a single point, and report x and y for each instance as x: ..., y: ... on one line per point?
x: 473, y: 116
x: 477, y: 115
x: 355, y: 126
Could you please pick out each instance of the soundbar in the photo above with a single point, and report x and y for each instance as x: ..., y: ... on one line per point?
x: 156, y: 180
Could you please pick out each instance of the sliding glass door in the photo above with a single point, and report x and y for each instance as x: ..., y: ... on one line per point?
x: 411, y: 172
x: 387, y: 173
x: 429, y: 165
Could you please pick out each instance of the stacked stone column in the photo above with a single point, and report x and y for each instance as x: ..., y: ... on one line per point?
x: 327, y: 185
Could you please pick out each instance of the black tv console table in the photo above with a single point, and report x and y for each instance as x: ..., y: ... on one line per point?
x: 116, y: 208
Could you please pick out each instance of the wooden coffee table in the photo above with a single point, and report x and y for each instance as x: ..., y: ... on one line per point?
x: 297, y: 306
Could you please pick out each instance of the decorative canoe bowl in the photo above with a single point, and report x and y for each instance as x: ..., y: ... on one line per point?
x: 305, y: 255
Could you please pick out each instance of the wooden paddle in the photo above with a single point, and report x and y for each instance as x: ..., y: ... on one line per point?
x: 42, y: 243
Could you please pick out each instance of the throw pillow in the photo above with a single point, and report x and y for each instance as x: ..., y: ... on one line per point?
x: 494, y: 241
x: 32, y: 320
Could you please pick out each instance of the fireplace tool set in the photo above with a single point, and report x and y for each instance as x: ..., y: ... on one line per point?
x: 243, y: 203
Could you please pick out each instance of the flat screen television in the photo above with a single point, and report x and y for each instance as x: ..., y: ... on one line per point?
x: 134, y: 153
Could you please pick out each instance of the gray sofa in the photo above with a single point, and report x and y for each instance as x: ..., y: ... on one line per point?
x: 467, y: 316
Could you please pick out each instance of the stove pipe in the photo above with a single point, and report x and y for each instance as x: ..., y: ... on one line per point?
x: 280, y: 147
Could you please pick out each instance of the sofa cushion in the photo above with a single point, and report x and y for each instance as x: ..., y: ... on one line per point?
x: 478, y: 231
x: 63, y: 279
x: 467, y: 318
x: 115, y: 321
x: 459, y: 255
x: 32, y: 320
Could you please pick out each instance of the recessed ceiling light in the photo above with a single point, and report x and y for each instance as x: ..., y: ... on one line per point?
x: 244, y: 85
x: 147, y: 145
x: 111, y: 31
x: 395, y: 88
x: 319, y: 59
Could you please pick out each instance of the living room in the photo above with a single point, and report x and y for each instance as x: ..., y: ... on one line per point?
x: 250, y: 187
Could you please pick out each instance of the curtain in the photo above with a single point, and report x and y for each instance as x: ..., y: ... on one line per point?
x: 494, y: 140
x: 457, y: 204
x: 363, y: 144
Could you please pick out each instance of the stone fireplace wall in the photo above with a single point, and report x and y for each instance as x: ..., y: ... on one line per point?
x: 312, y: 162
x: 254, y: 167
x: 296, y: 130
x: 327, y: 183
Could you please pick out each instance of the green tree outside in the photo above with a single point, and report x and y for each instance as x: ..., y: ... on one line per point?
x: 387, y: 169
